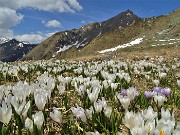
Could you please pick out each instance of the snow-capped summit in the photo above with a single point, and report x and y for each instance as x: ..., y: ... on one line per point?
x: 12, y: 50
x: 3, y: 40
x: 25, y: 42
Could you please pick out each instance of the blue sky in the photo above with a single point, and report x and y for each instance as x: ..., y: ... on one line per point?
x: 36, y: 20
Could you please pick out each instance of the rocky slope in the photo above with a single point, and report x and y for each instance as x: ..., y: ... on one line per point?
x: 159, y: 36
x: 124, y: 35
x: 79, y: 38
x: 12, y: 50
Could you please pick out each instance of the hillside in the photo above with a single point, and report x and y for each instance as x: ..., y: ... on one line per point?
x: 79, y: 38
x: 160, y: 36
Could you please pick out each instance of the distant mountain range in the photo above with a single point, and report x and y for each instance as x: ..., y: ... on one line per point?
x: 13, y: 50
x: 125, y: 35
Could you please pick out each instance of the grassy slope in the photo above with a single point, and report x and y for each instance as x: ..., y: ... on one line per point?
x: 105, y: 41
x: 149, y: 28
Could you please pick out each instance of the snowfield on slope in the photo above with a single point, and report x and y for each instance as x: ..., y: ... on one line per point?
x: 132, y: 43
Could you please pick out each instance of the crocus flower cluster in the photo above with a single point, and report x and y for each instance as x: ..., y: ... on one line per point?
x: 58, y: 96
x: 147, y: 122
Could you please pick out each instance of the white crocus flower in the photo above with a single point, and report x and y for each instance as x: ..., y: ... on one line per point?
x: 105, y: 84
x: 159, y: 99
x: 149, y: 114
x: 127, y: 78
x: 20, y: 108
x: 178, y: 83
x: 93, y: 133
x: 103, y: 102
x: 29, y: 124
x: 156, y: 82
x: 1, y: 92
x: 40, y: 97
x: 79, y: 113
x: 131, y: 93
x: 125, y: 102
x: 162, y: 75
x: 25, y: 109
x: 108, y: 111
x: 150, y: 127
x: 138, y: 131
x: 114, y: 86
x: 166, y: 115
x: 89, y: 112
x: 129, y: 119
x: 162, y: 129
x: 5, y: 113
x: 61, y: 88
x: 56, y: 115
x: 177, y: 130
x: 167, y: 118
x: 93, y: 96
x: 138, y: 120
x: 81, y: 89
x: 147, y: 77
x: 38, y: 119
x: 98, y: 106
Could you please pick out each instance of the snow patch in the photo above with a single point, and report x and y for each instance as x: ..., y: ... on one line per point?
x: 21, y: 45
x: 128, y: 14
x: 80, y: 44
x: 25, y: 42
x: 66, y: 47
x: 99, y: 33
x: 120, y: 27
x: 132, y: 43
x: 3, y: 40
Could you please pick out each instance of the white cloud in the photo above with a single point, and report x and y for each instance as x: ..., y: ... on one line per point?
x: 46, y: 5
x: 52, y: 23
x: 32, y: 38
x: 8, y: 18
x: 37, y: 37
x: 74, y: 4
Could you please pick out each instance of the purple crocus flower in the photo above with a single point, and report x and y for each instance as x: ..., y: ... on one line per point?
x: 148, y: 94
x: 166, y: 92
x: 158, y: 89
x: 123, y: 92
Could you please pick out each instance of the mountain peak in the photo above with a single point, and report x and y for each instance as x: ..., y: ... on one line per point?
x: 130, y: 11
x: 12, y: 49
x: 79, y: 38
x: 3, y: 40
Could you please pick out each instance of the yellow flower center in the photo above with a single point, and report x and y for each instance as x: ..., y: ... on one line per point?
x: 149, y: 129
x: 4, y: 116
x: 161, y: 132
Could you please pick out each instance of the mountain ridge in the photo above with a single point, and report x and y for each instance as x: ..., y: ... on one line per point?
x: 116, y: 34
x: 12, y: 50
x: 79, y: 38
